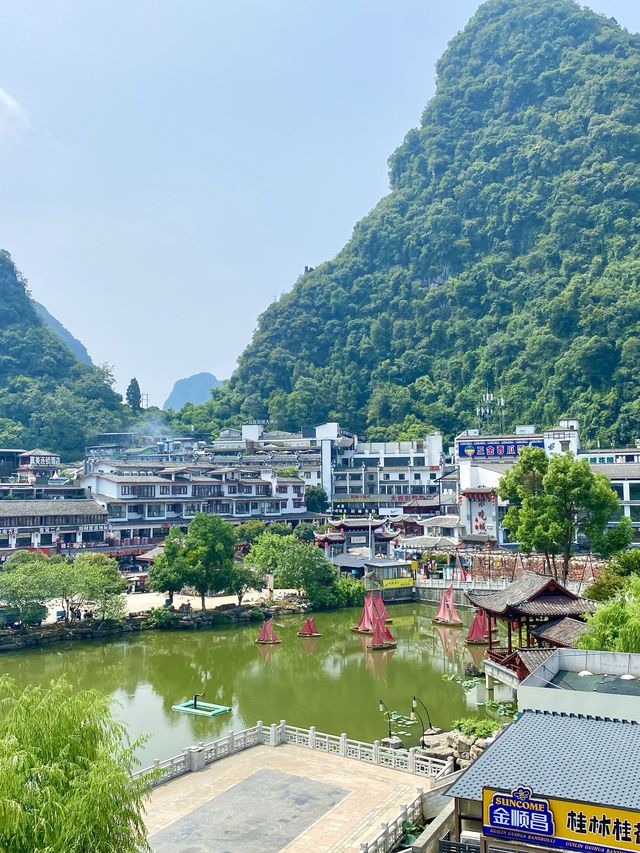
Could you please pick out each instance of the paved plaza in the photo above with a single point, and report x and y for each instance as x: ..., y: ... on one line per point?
x: 266, y: 800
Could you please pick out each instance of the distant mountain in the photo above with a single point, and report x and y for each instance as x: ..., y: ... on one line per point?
x: 48, y: 397
x: 76, y: 346
x: 193, y: 389
x: 507, y: 252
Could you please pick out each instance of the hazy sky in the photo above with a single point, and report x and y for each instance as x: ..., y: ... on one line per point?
x: 168, y: 167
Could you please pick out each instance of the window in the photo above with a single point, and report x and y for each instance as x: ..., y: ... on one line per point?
x: 283, y: 504
x: 416, y: 477
x: 233, y: 490
x: 307, y: 475
x: 117, y: 511
x: 401, y: 476
x: 178, y: 490
x: 418, y: 460
x: 385, y: 476
x: 242, y: 508
x: 635, y: 513
x: 190, y: 509
x: 282, y: 490
x: 617, y: 488
x: 205, y: 491
x: 634, y: 491
x: 165, y: 490
x: 155, y: 511
x: 139, y: 491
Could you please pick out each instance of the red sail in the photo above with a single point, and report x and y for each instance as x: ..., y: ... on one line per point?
x: 478, y: 630
x: 308, y: 629
x: 379, y: 608
x: 368, y: 615
x: 267, y: 634
x: 453, y: 613
x: 378, y: 638
x: 389, y: 638
x: 443, y: 611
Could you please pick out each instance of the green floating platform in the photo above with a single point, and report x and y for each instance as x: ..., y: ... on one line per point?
x: 203, y: 709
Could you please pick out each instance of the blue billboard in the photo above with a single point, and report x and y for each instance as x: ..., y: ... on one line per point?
x: 495, y: 449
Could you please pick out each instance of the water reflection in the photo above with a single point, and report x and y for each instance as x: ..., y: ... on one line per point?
x: 331, y: 681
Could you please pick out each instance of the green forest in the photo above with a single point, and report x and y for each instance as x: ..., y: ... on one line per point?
x: 48, y: 397
x: 507, y: 252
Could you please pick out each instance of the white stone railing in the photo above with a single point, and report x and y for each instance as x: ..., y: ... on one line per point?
x: 197, y: 757
x: 391, y: 833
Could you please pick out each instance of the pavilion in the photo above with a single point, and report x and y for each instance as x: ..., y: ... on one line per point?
x: 537, y: 611
x: 371, y: 533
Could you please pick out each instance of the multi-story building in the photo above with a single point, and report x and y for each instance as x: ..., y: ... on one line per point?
x: 144, y: 504
x: 564, y: 438
x: 387, y: 478
x: 44, y: 524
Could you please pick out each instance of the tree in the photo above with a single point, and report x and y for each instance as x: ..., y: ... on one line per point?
x: 280, y: 528
x: 133, y: 395
x: 316, y: 499
x: 296, y: 565
x: 89, y: 579
x: 168, y: 571
x: 201, y: 558
x: 552, y: 501
x: 27, y: 583
x: 606, y: 585
x: 614, y: 539
x: 304, y: 531
x: 65, y: 773
x: 249, y: 531
x: 615, y: 626
x: 244, y: 578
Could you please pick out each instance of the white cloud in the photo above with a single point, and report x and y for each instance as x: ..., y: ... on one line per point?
x: 14, y: 120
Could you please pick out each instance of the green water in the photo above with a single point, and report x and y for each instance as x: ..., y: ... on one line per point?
x: 329, y: 682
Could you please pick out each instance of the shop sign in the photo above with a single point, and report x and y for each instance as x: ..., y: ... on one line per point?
x: 359, y: 540
x: 396, y: 583
x: 552, y: 822
x: 494, y: 449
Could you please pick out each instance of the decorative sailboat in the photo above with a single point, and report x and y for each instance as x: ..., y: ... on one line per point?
x: 479, y: 631
x: 447, y: 613
x: 309, y: 629
x: 379, y: 609
x: 267, y: 635
x: 367, y: 617
x: 382, y: 637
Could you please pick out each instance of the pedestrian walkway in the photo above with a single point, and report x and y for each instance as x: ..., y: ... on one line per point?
x: 266, y: 800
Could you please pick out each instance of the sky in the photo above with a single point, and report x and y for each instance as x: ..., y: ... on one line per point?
x: 167, y: 169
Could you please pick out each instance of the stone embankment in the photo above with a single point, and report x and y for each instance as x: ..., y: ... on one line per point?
x: 463, y: 748
x: 182, y: 618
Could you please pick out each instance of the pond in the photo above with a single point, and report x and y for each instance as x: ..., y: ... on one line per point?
x: 329, y: 681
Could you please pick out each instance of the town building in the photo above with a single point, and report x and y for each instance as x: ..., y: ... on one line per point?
x: 142, y: 504
x: 46, y: 523
x: 387, y: 478
x: 561, y: 776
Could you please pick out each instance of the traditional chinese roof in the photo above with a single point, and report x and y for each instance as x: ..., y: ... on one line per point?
x: 34, y: 509
x: 329, y: 537
x: 532, y: 595
x: 532, y: 658
x: 560, y: 632
x: 357, y: 523
x: 571, y: 757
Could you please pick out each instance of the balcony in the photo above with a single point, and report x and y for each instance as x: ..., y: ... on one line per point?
x: 446, y: 846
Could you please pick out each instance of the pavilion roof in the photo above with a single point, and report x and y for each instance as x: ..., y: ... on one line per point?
x: 357, y: 523
x: 532, y: 595
x: 562, y: 631
x: 532, y: 658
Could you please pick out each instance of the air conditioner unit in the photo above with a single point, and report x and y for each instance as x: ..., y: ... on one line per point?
x: 469, y: 837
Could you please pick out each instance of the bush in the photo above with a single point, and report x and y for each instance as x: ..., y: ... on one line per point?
x: 256, y: 615
x: 162, y: 617
x: 477, y: 727
x: 351, y: 592
x: 219, y: 618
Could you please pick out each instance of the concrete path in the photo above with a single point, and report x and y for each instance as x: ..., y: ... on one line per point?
x: 270, y: 799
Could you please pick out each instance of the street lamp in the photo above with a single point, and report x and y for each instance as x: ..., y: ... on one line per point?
x: 414, y: 714
x: 384, y: 710
x: 414, y: 708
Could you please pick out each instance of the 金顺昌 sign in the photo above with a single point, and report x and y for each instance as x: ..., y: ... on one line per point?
x: 494, y: 449
x: 549, y: 822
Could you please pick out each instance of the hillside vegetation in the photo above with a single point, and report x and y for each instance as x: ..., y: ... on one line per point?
x: 48, y: 398
x: 506, y: 253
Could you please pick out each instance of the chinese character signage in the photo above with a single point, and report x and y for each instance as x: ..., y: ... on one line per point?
x: 520, y: 816
x: 396, y: 583
x: 494, y: 449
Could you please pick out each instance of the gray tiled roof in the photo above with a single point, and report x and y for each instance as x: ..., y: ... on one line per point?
x: 524, y: 596
x: 576, y: 758
x: 532, y: 658
x: 563, y: 631
x: 618, y: 470
x: 10, y: 508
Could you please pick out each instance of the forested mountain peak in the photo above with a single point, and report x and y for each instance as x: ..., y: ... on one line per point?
x: 506, y: 253
x: 48, y: 397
